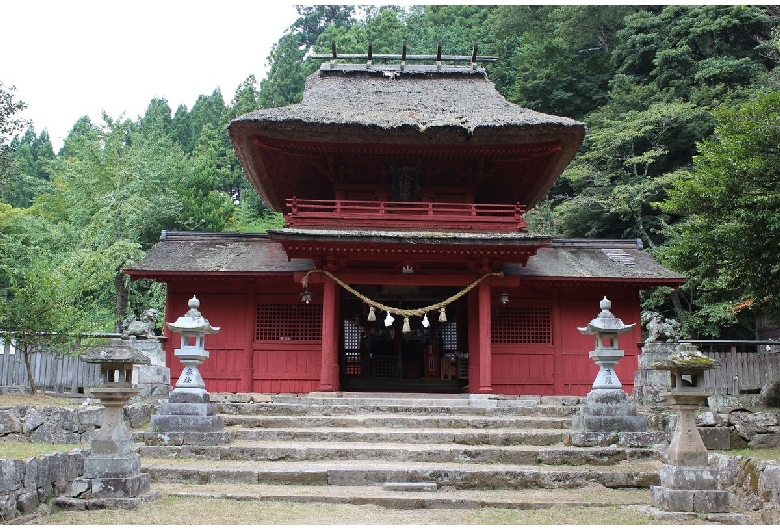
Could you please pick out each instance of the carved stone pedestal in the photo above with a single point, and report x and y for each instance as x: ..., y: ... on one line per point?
x: 608, y: 411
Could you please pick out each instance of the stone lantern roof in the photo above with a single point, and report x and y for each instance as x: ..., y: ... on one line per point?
x: 606, y: 322
x: 115, y: 353
x: 192, y: 322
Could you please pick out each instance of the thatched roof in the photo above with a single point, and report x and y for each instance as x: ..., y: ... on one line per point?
x: 421, y: 111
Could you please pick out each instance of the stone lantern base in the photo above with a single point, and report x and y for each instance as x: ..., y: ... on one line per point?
x: 608, y: 410
x: 109, y: 481
x: 689, y: 489
x: 187, y: 411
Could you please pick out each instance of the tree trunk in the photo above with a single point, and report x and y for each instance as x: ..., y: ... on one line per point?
x: 121, y: 301
x: 28, y: 364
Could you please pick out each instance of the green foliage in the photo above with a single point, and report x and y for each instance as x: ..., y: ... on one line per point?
x: 647, y: 81
x: 727, y: 240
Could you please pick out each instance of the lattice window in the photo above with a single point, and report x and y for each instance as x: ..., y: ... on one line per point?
x: 521, y: 325
x: 352, y: 334
x: 449, y: 335
x: 288, y: 322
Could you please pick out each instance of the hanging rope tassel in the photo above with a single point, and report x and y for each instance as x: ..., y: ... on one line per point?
x: 371, y: 315
x: 406, y: 328
x: 442, y: 315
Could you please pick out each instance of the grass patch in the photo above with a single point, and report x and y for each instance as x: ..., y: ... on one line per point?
x: 17, y: 399
x: 180, y: 511
x: 22, y: 450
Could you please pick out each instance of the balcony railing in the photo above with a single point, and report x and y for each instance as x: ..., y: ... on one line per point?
x: 405, y: 215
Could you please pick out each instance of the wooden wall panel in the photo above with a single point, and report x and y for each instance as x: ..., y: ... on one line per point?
x: 286, y: 366
x: 523, y: 368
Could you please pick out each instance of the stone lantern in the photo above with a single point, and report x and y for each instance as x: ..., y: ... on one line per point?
x: 606, y: 407
x: 112, y: 472
x: 688, y: 484
x: 189, y: 408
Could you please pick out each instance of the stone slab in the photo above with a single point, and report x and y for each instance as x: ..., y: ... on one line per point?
x: 73, y: 504
x: 181, y: 423
x: 189, y: 396
x: 112, y: 465
x: 410, y: 486
x: 188, y: 409
x: 674, y: 517
x: 688, y: 477
x: 702, y: 501
x: 611, y: 423
x: 715, y: 438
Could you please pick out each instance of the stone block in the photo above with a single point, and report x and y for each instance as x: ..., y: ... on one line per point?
x: 32, y: 421
x: 179, y: 423
x: 770, y: 394
x: 613, y: 423
x: 112, y: 465
x: 90, y: 416
x: 715, y: 438
x: 671, y: 500
x: 11, y: 475
x: 688, y: 477
x: 185, y: 396
x: 188, y: 409
x: 115, y: 487
x: 642, y: 438
x: 593, y: 439
x: 713, y: 501
x: 769, y: 440
x: 27, y: 501
x: 137, y: 414
x: 7, y: 506
x: 10, y: 421
x: 769, y: 483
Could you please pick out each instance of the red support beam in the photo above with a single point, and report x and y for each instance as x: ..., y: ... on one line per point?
x: 330, y: 312
x: 485, y: 354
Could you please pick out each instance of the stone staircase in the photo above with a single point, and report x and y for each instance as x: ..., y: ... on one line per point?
x: 414, y: 449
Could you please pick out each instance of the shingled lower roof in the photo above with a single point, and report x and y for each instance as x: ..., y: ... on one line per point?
x: 180, y: 254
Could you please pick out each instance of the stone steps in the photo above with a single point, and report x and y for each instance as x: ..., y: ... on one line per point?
x: 410, y: 453
x: 441, y: 498
x: 456, y: 442
x: 372, y: 473
x: 397, y: 421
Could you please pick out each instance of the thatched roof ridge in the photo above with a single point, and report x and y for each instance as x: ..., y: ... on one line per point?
x: 419, y: 98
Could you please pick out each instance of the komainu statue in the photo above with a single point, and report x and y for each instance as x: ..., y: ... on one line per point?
x: 140, y: 328
x: 660, y: 329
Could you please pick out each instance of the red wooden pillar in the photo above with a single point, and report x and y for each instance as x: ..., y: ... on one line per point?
x: 329, y: 369
x: 250, y: 320
x: 485, y: 352
x: 473, y: 343
x: 557, y: 338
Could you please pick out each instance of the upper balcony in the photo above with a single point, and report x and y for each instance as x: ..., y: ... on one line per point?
x: 438, y: 216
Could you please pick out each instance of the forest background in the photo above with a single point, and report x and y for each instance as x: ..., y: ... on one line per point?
x: 682, y: 105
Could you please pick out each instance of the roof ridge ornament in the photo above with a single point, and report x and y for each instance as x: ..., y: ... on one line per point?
x: 404, y: 57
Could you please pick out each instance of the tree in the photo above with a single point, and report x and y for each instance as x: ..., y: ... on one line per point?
x: 286, y: 76
x: 727, y: 242
x: 39, y: 294
x: 10, y: 124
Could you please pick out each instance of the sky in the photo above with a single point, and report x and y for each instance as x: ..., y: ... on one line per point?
x: 70, y: 58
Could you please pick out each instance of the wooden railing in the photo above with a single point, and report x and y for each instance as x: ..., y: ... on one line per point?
x: 745, y: 366
x: 405, y: 215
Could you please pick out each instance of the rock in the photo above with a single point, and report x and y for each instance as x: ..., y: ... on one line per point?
x: 765, y: 440
x: 9, y: 421
x: 770, y: 394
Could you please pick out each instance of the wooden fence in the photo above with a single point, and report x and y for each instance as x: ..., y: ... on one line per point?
x: 65, y: 374
x: 745, y: 366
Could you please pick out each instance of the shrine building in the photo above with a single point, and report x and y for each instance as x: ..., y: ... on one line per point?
x: 404, y: 263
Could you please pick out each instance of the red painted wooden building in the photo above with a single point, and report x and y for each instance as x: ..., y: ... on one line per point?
x: 403, y: 189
